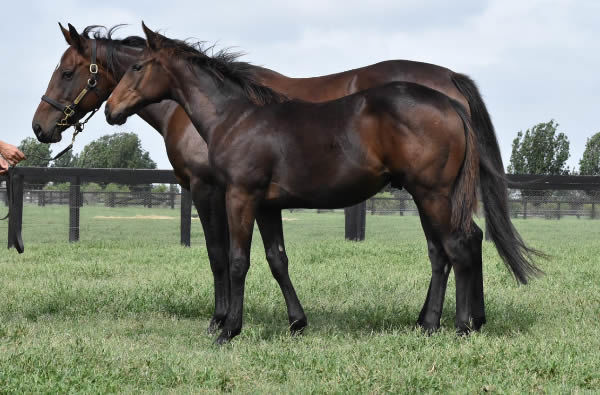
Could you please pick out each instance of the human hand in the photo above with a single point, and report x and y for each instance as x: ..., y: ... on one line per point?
x: 11, y: 154
x: 3, y: 165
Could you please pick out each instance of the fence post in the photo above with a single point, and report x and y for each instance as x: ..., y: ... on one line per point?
x: 15, y: 221
x: 355, y: 218
x: 524, y: 208
x: 593, y: 210
x: 74, y: 205
x: 42, y: 198
x: 186, y: 216
x: 172, y: 200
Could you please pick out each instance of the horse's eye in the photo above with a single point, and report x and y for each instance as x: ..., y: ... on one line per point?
x: 67, y: 75
x: 136, y: 67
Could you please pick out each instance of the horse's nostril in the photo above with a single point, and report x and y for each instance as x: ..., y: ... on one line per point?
x: 37, y: 129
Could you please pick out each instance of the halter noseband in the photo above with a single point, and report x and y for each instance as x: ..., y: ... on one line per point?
x: 69, y: 109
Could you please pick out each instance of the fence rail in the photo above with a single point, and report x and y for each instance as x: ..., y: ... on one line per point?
x: 530, y: 196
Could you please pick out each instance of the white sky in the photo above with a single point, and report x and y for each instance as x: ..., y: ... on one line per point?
x: 534, y: 60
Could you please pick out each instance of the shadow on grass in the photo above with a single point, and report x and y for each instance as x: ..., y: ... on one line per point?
x: 353, y: 319
x: 360, y: 320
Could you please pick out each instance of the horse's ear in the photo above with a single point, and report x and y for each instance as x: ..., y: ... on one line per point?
x: 74, y: 38
x: 65, y: 33
x: 153, y: 40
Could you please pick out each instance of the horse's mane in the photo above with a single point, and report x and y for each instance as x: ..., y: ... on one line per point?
x: 224, y: 65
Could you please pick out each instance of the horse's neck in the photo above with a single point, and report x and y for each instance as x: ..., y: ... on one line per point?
x: 156, y: 115
x: 206, y: 103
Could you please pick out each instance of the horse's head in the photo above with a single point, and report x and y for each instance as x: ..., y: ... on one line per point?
x: 147, y: 81
x: 78, y: 85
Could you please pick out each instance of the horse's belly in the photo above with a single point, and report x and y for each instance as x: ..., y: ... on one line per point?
x: 336, y: 193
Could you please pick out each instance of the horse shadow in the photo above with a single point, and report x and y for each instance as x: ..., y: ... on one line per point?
x: 353, y: 319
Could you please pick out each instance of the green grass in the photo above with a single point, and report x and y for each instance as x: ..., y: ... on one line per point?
x: 127, y: 308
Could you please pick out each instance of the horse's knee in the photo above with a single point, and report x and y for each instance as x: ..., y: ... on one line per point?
x: 278, y: 262
x: 238, y: 267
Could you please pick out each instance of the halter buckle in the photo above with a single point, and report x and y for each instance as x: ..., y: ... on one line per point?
x: 94, y: 68
x: 63, y: 122
x: 92, y: 82
x: 68, y: 111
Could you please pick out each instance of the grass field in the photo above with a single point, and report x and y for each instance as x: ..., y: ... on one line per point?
x: 126, y: 309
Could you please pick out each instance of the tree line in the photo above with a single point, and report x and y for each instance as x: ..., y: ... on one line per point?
x: 119, y: 150
x: 544, y: 150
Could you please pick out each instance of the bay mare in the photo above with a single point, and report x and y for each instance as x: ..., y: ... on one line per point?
x: 272, y: 153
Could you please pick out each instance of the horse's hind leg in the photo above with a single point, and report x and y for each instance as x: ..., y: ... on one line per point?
x: 430, y: 315
x: 457, y: 248
x: 271, y: 230
x: 477, y: 303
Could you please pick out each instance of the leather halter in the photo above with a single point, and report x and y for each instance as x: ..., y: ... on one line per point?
x: 69, y: 110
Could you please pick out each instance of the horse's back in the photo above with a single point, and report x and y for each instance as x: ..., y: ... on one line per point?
x: 387, y: 132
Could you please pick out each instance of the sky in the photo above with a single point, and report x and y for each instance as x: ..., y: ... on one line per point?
x: 533, y: 60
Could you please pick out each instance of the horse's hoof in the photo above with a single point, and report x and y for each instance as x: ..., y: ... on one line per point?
x: 222, y: 340
x: 478, y: 323
x: 226, y: 336
x: 215, y: 325
x: 464, y: 328
x: 297, y: 326
x: 429, y: 328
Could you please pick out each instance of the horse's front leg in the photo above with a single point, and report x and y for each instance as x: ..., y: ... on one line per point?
x: 209, y: 200
x: 241, y: 211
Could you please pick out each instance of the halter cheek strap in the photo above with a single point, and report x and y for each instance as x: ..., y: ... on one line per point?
x: 69, y: 109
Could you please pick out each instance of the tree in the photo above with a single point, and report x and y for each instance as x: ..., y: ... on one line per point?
x: 589, y: 164
x: 540, y: 151
x: 38, y: 154
x: 119, y: 150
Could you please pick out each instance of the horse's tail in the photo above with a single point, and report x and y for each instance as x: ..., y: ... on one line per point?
x: 464, y: 192
x: 492, y: 180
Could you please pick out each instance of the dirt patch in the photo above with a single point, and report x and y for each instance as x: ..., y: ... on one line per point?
x: 135, y: 217
x: 289, y: 219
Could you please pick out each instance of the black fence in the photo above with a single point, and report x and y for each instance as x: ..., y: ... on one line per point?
x: 530, y: 196
x: 75, y: 198
x: 551, y: 197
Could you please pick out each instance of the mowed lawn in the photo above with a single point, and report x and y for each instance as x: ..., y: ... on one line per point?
x: 127, y: 308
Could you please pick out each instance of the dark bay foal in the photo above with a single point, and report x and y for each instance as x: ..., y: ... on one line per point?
x: 271, y: 153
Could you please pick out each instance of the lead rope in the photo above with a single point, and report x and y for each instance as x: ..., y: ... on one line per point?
x: 78, y: 129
